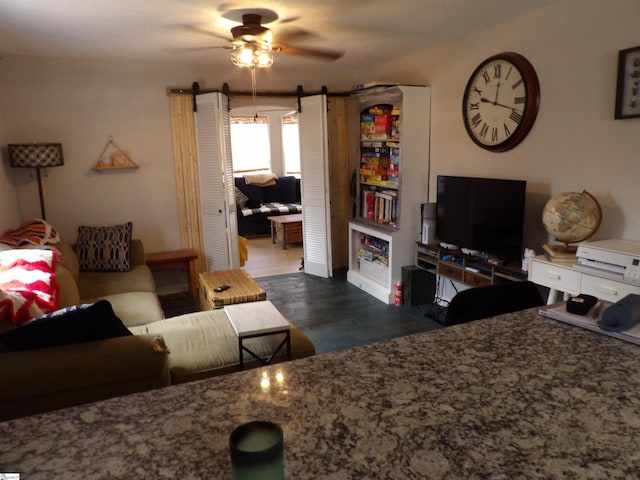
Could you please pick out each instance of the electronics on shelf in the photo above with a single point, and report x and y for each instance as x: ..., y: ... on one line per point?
x: 617, y: 258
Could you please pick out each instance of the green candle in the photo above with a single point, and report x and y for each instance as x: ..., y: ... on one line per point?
x: 257, y: 451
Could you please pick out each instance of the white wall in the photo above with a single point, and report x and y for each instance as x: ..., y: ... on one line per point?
x: 9, y: 216
x: 81, y: 103
x: 575, y: 143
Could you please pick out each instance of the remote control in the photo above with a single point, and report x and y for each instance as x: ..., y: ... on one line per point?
x: 221, y: 288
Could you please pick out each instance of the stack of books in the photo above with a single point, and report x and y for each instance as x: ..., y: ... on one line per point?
x: 380, y: 206
x: 560, y: 254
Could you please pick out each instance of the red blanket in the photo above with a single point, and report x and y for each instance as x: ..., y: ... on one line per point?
x: 34, y: 232
x: 27, y: 284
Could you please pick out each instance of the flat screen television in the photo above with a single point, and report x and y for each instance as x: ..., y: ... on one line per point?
x: 484, y: 214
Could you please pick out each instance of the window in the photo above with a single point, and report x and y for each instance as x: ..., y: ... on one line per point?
x: 290, y: 145
x: 250, y: 146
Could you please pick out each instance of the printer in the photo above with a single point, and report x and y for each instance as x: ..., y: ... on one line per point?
x: 618, y: 259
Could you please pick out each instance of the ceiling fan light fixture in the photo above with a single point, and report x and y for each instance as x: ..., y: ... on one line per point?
x: 252, y: 55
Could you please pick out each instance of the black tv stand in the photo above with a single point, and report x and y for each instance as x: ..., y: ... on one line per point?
x: 470, y: 270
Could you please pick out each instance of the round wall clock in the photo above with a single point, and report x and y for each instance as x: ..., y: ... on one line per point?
x: 501, y: 101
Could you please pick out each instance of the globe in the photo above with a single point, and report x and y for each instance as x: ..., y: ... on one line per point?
x: 572, y: 217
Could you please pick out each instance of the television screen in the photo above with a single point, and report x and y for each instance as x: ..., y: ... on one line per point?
x: 483, y: 214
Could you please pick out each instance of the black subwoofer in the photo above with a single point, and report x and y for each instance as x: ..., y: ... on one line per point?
x: 419, y: 286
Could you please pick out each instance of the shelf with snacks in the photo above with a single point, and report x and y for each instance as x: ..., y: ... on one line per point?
x: 391, y: 179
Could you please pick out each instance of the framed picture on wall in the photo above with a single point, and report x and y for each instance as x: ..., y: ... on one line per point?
x: 628, y: 88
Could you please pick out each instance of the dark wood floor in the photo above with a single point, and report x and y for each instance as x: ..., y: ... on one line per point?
x: 333, y: 313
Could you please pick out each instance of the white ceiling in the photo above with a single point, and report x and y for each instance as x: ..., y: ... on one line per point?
x: 152, y: 30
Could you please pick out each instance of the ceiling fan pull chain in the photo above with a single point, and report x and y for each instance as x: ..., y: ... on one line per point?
x: 253, y: 92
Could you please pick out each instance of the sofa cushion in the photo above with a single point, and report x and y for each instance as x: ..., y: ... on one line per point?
x: 68, y: 287
x: 27, y: 284
x: 68, y: 258
x: 105, y: 248
x: 254, y: 193
x: 204, y: 344
x: 81, y: 323
x: 42, y: 380
x: 135, y: 308
x: 284, y: 191
x: 99, y: 284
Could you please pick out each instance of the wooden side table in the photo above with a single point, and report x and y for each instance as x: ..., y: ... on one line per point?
x: 286, y: 229
x: 176, y: 260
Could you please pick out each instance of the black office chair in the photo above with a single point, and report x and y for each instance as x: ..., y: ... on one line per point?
x: 483, y: 302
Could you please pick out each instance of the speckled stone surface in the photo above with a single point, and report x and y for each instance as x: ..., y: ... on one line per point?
x: 516, y: 396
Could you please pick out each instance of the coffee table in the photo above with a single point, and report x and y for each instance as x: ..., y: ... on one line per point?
x: 286, y: 229
x: 242, y: 289
x: 258, y: 319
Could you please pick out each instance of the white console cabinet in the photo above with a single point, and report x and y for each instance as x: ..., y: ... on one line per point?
x: 570, y: 281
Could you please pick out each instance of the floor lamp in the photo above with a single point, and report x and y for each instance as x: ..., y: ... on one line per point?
x: 36, y: 155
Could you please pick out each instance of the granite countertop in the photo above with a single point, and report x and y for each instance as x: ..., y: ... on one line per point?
x: 516, y: 396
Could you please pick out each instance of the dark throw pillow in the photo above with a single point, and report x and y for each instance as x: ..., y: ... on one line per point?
x: 105, y: 249
x: 81, y: 323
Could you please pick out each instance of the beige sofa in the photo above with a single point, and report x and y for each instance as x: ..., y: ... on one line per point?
x: 50, y: 378
x: 160, y: 351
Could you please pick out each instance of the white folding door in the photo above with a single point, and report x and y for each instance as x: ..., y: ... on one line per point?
x: 215, y: 175
x: 217, y: 198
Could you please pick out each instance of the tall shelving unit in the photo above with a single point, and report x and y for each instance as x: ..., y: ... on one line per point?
x: 393, y: 181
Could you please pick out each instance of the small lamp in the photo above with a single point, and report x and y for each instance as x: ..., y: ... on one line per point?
x: 36, y: 155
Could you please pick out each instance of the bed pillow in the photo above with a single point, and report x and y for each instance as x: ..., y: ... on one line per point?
x: 27, y: 284
x: 104, y: 249
x: 79, y: 323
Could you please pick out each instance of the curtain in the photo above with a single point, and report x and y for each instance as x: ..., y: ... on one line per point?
x: 186, y: 172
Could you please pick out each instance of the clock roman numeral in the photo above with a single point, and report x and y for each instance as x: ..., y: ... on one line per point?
x: 507, y: 132
x: 515, y: 116
x: 508, y: 73
x: 474, y: 106
x: 497, y: 70
x: 518, y: 100
x: 494, y: 134
x: 484, y: 130
x: 475, y: 120
x: 486, y: 76
x: 517, y: 84
x: 475, y: 89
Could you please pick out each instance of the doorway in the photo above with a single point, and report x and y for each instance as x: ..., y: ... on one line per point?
x: 264, y: 139
x: 267, y: 259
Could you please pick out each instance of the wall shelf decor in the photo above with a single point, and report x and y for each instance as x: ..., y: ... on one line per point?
x: 113, y: 157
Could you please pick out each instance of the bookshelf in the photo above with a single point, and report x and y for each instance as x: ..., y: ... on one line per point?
x: 370, y: 264
x: 392, y: 183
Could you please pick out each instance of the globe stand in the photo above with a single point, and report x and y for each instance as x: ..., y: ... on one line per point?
x: 560, y: 251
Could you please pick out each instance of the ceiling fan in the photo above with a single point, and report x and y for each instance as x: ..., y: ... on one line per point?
x: 253, y: 45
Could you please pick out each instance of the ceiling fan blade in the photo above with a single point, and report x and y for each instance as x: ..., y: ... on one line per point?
x: 202, y: 31
x: 288, y: 19
x: 194, y: 49
x: 309, y: 52
x: 291, y: 35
